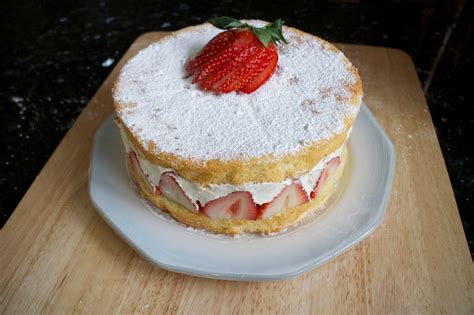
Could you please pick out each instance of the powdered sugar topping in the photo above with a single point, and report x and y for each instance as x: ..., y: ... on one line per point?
x: 306, y: 100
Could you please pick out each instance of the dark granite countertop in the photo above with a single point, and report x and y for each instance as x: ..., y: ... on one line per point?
x: 55, y: 55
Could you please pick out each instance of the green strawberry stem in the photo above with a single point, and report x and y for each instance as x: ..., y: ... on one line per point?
x: 271, y: 32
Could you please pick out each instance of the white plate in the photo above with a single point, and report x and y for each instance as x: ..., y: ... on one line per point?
x: 352, y: 217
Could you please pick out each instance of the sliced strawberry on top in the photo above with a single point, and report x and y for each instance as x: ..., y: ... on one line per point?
x: 328, y: 170
x: 170, y: 188
x: 262, y: 76
x: 241, y: 58
x: 291, y: 196
x: 245, y: 72
x: 133, y: 160
x: 215, y: 46
x: 245, y: 45
x: 236, y: 205
x: 224, y: 58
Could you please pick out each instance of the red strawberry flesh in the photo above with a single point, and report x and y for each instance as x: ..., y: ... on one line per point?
x: 226, y: 70
x: 227, y: 57
x: 132, y: 156
x: 236, y: 205
x: 291, y: 196
x: 262, y: 76
x: 236, y: 61
x: 246, y: 72
x: 328, y: 170
x: 215, y: 45
x: 170, y: 188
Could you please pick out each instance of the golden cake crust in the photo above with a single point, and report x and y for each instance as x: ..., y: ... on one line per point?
x: 263, y: 226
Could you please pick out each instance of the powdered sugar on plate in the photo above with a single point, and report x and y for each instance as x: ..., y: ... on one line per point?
x: 306, y: 100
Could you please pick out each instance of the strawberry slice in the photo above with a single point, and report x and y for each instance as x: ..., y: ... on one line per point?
x: 236, y: 205
x: 215, y: 46
x: 133, y: 160
x: 170, y: 188
x: 291, y: 196
x: 328, y: 170
x: 214, y: 64
x: 240, y: 59
x: 245, y: 73
x: 233, y: 64
x: 262, y: 76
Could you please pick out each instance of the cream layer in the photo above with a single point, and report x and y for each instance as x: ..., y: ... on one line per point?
x: 261, y: 192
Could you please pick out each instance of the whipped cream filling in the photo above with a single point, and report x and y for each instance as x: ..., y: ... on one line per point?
x: 261, y: 192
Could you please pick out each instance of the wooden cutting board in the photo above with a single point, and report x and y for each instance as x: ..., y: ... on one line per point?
x: 58, y: 255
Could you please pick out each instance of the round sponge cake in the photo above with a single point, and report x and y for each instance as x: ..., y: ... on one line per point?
x: 285, y: 127
x: 282, y: 131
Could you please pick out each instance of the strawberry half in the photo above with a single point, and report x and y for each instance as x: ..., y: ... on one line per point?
x: 291, y: 196
x: 170, y: 188
x: 242, y: 58
x: 133, y: 160
x: 328, y: 170
x: 236, y: 205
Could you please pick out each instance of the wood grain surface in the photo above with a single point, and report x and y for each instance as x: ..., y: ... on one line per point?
x: 59, y: 256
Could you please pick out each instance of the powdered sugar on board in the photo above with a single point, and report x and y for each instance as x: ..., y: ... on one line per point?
x: 306, y: 100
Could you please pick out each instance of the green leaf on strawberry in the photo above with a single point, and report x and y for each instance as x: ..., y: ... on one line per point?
x: 270, y: 33
x: 225, y: 22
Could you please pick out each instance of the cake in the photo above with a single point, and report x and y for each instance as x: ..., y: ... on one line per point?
x: 236, y: 162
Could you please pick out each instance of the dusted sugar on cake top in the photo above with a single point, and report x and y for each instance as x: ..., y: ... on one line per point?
x: 314, y: 94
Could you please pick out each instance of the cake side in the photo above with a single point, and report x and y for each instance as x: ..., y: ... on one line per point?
x: 241, y: 171
x: 275, y: 223
x: 196, y: 195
